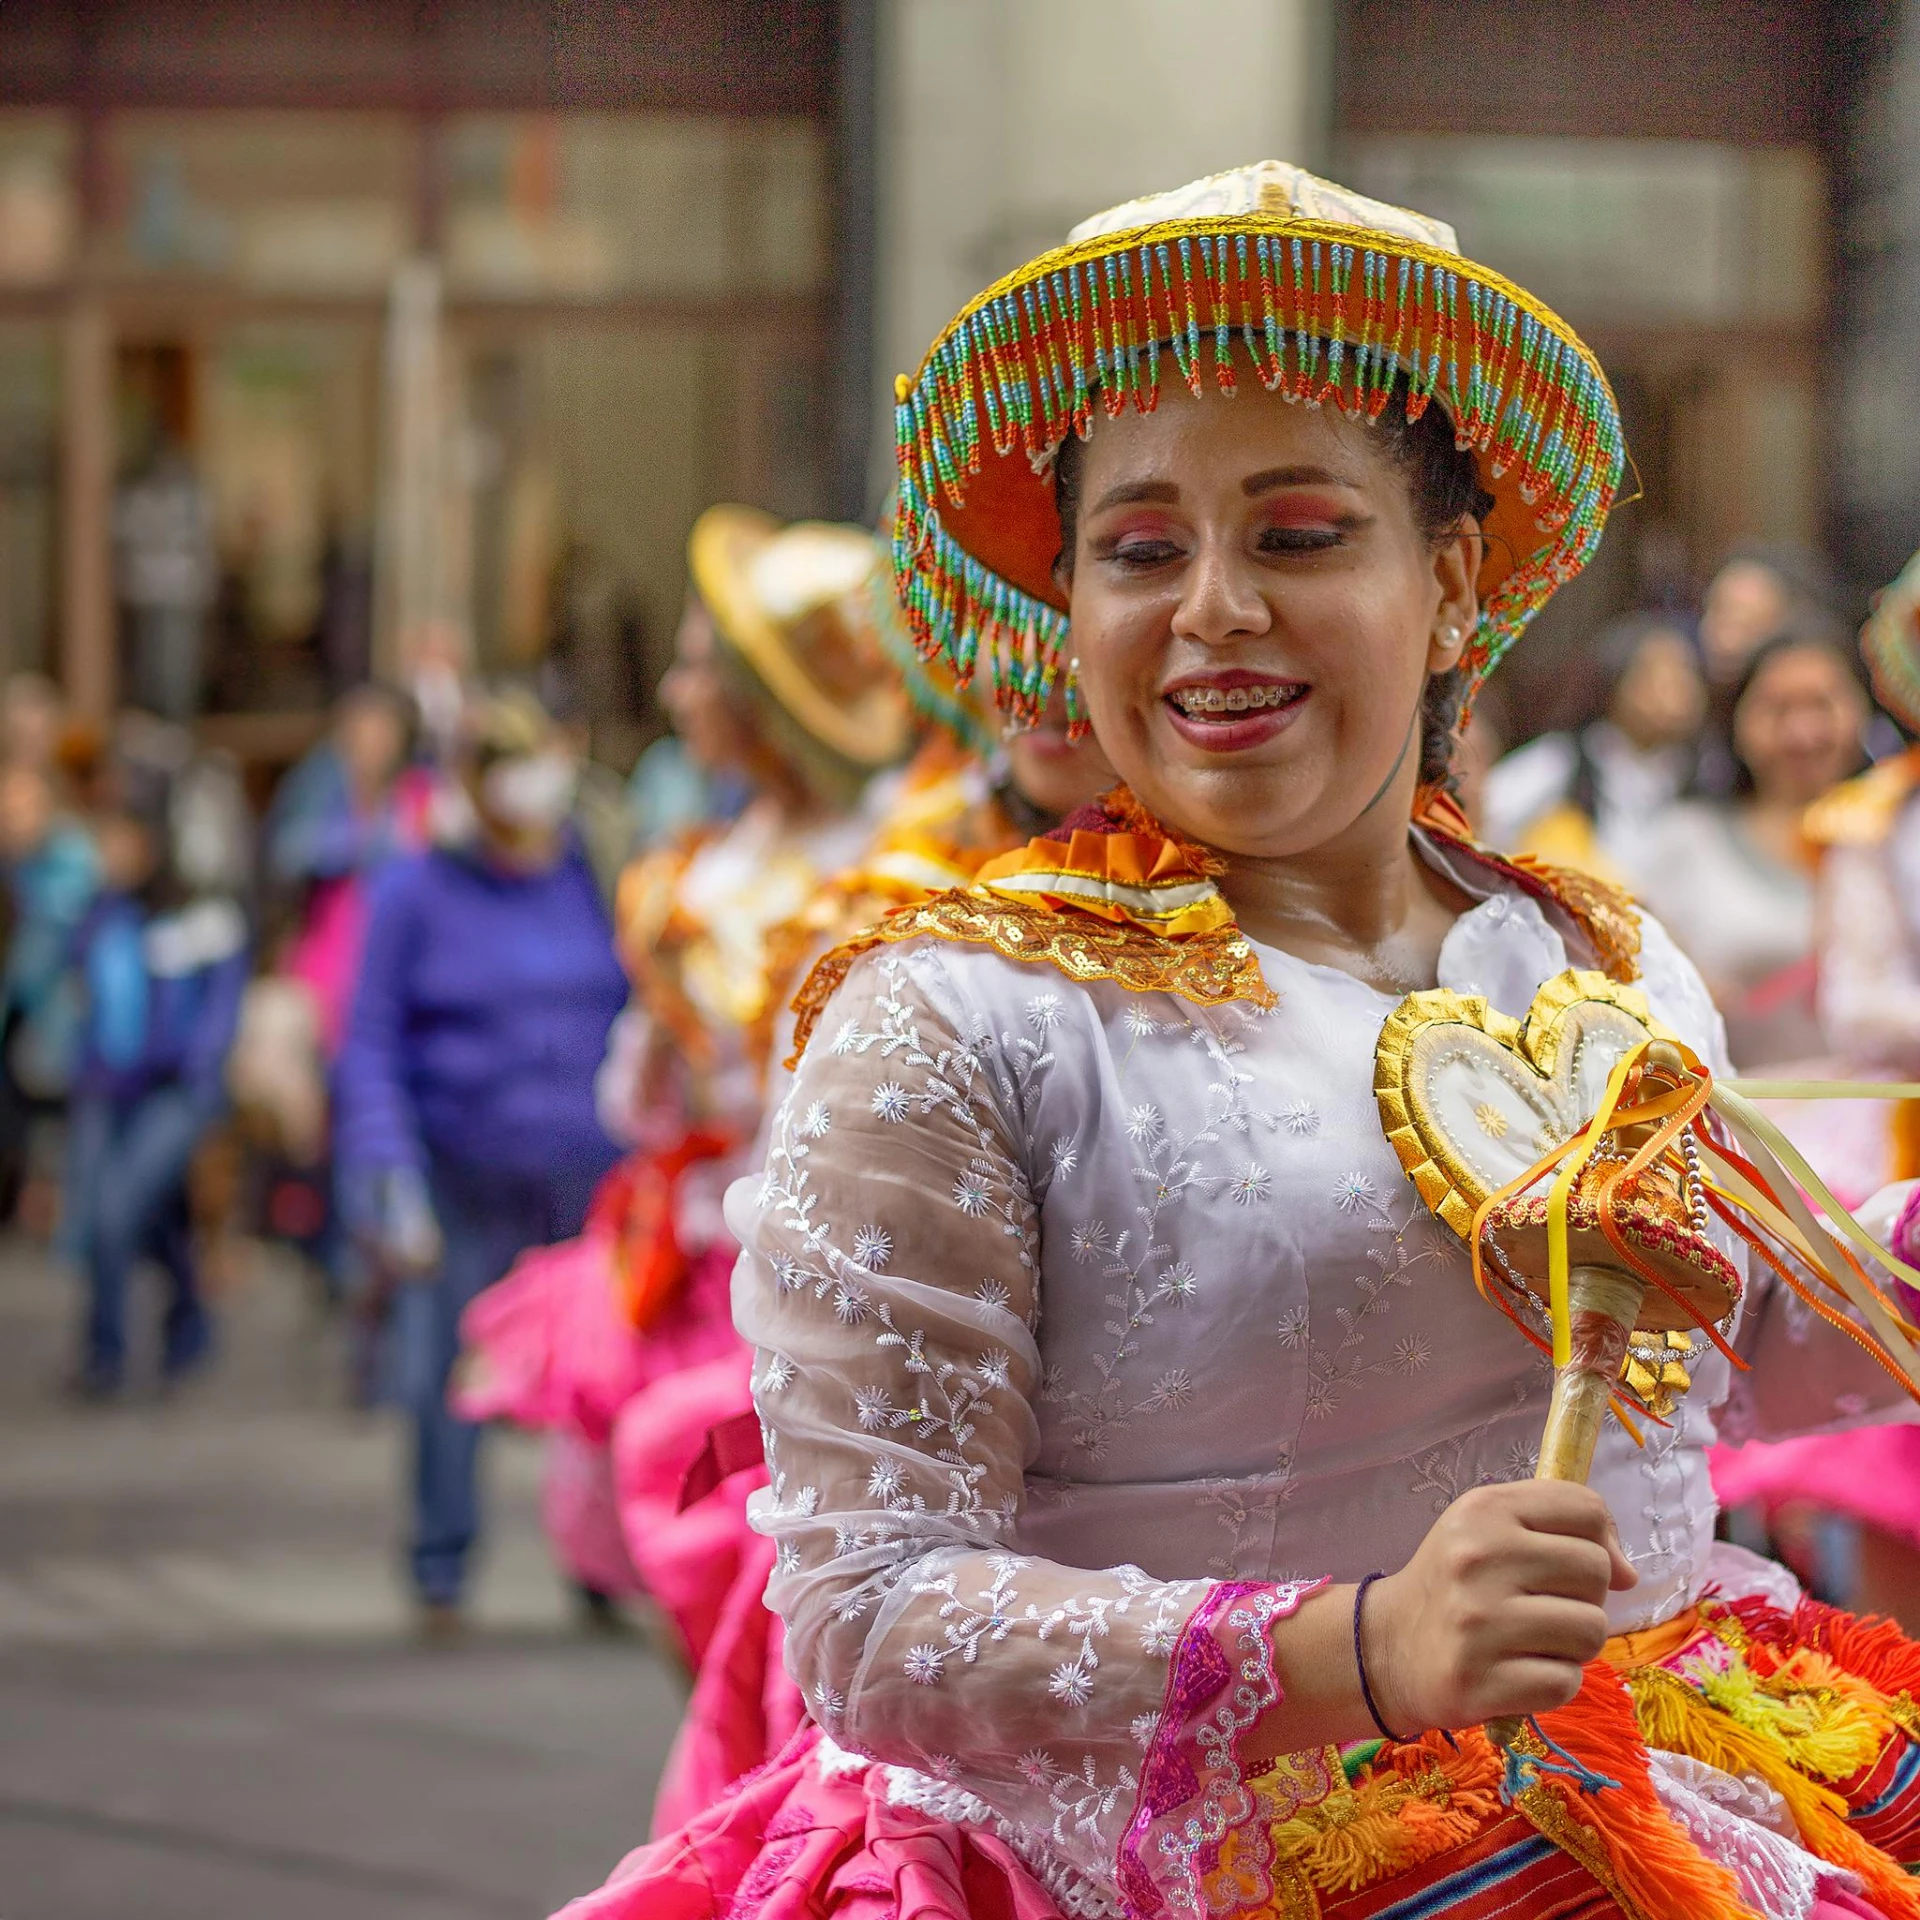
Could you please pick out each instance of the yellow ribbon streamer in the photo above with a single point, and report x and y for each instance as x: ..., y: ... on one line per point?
x: 1561, y: 1193
x: 1823, y: 1089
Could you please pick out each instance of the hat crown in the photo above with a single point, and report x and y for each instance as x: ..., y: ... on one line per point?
x: 1274, y: 187
x: 805, y: 567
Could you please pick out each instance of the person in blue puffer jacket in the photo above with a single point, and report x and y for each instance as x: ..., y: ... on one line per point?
x: 464, y: 1122
x: 163, y: 973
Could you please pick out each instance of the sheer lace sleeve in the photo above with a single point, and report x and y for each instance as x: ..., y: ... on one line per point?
x: 890, y: 1287
x: 1869, y: 993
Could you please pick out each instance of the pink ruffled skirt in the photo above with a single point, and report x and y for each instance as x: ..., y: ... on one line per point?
x: 799, y: 1840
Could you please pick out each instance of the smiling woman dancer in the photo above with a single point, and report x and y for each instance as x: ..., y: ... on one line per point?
x: 1144, y: 1470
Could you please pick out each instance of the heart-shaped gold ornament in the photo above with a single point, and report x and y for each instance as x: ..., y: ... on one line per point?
x: 1471, y: 1099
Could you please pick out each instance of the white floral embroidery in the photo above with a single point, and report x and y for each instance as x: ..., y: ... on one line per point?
x: 1042, y: 1011
x: 1090, y: 1238
x: 872, y: 1247
x: 815, y: 1121
x: 1299, y: 1119
x: 1171, y: 1166
x: 1354, y: 1192
x: 1171, y: 1391
x: 1072, y: 1683
x: 925, y: 1665
x: 971, y: 1194
x: 1252, y: 1183
x: 890, y: 1101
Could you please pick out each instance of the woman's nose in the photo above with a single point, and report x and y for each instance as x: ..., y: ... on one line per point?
x: 1220, y: 599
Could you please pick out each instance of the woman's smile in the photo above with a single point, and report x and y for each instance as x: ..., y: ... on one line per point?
x: 1233, y: 709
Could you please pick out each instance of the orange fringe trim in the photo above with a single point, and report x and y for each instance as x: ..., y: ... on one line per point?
x: 1416, y: 1801
x: 1623, y: 1835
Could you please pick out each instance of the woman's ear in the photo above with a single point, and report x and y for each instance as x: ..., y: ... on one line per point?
x: 1456, y: 569
x: 1063, y: 572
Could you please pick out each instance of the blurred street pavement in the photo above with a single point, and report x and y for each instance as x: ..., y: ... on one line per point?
x: 211, y: 1702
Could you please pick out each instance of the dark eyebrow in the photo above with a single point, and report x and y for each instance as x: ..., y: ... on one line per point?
x: 1132, y: 492
x: 1258, y: 483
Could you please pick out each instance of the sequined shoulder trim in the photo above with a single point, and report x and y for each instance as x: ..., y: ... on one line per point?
x: 1208, y: 969
x: 1861, y: 812
x: 1603, y: 912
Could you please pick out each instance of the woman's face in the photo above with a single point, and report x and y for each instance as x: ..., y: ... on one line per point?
x: 699, y: 705
x: 1746, y: 603
x: 1256, y: 613
x: 1057, y: 774
x: 1797, y: 727
x: 1661, y: 700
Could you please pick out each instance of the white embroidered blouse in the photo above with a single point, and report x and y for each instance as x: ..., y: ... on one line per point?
x: 1073, y: 1303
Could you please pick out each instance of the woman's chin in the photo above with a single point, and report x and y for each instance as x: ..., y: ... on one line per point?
x: 1253, y: 811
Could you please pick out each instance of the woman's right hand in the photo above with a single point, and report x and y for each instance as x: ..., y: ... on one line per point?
x: 1498, y: 1610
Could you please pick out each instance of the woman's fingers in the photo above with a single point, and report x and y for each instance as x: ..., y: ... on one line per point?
x: 1521, y: 1687
x: 1553, y: 1564
x: 1531, y: 1626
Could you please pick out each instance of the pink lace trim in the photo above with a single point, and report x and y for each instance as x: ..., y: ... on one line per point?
x: 1194, y: 1787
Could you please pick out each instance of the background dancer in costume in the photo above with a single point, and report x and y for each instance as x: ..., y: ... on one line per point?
x: 778, y: 681
x: 953, y: 812
x: 1868, y: 834
x: 465, y: 1129
x: 1105, y: 1356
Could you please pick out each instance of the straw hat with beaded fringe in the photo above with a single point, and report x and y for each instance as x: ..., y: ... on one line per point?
x: 1320, y: 293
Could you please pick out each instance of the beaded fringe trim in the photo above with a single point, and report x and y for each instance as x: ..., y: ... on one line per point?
x: 1321, y: 315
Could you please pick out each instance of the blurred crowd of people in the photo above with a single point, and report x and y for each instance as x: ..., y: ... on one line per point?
x: 1713, y: 734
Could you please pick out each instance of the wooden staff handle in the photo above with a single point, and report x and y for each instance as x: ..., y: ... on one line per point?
x: 1603, y: 1304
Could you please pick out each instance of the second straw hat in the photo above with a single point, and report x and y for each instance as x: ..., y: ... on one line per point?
x: 796, y: 603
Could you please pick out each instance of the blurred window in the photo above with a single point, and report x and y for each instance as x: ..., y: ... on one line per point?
x: 38, y: 211
x: 272, y: 202
x: 29, y: 410
x: 1622, y: 232
x: 593, y: 206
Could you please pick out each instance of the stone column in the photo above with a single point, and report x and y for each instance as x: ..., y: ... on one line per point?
x: 89, y: 658
x: 1875, y: 481
x: 1003, y: 122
